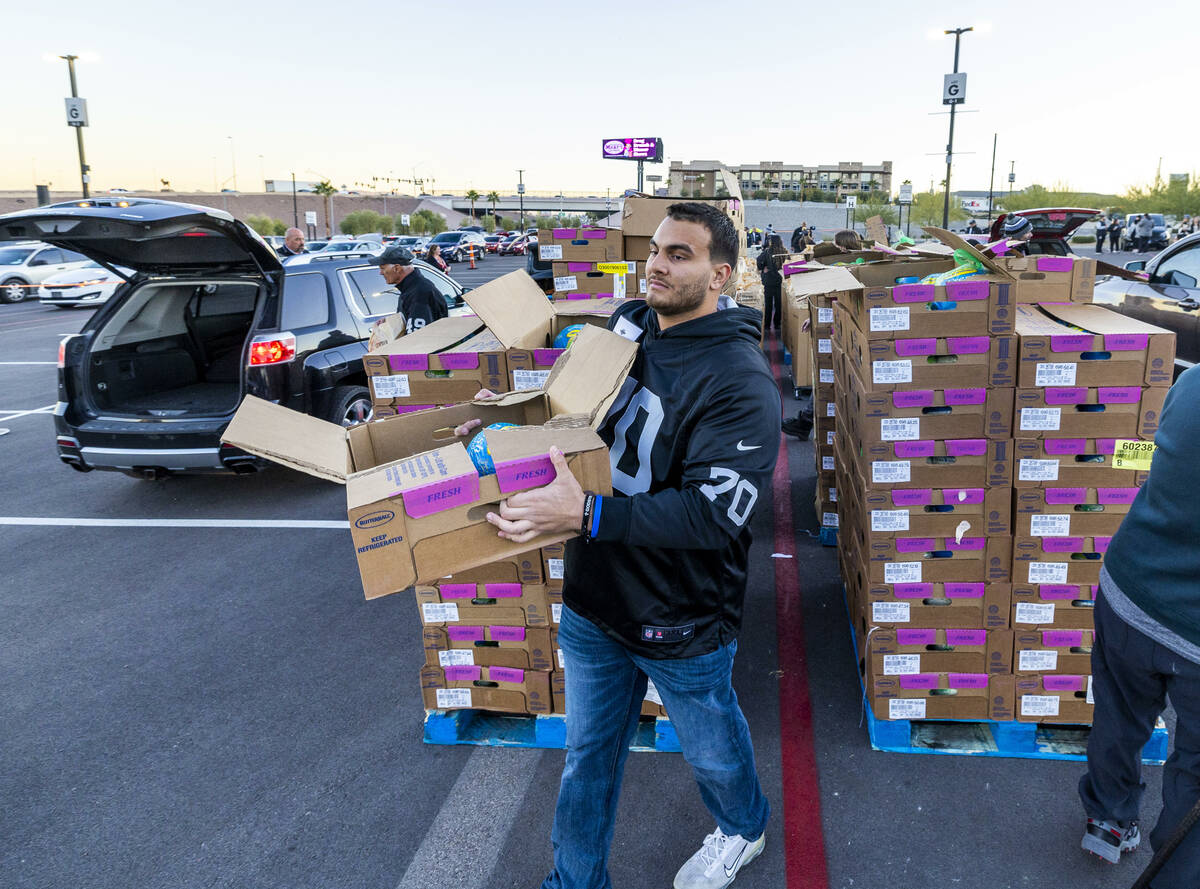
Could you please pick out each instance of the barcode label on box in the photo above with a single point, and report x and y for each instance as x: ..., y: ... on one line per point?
x: 530, y: 379
x: 828, y: 438
x: 1036, y: 661
x: 562, y: 662
x: 901, y: 664
x: 565, y: 282
x: 550, y: 251
x: 556, y: 612
x: 652, y: 694
x: 889, y: 519
x: 829, y: 519
x: 906, y: 708
x: 394, y: 386
x: 1048, y: 572
x: 831, y: 410
x: 439, y: 612
x: 824, y: 347
x: 1035, y: 613
x: 641, y: 285
x: 1037, y: 470
x: 891, y: 371
x: 826, y: 375
x: 901, y: 572
x: 827, y: 464
x: 1055, y: 374
x: 453, y: 698
x: 886, y: 472
x: 456, y: 658
x: 890, y: 612
x: 824, y: 316
x: 1050, y: 525
x: 833, y: 495
x: 1039, y: 705
x: 555, y: 568
x: 899, y: 428
x: 889, y: 319
x: 1091, y: 700
x: 1041, y: 419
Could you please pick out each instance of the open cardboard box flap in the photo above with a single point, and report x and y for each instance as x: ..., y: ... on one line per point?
x: 954, y: 242
x: 1097, y: 319
x: 514, y: 308
x: 386, y: 330
x: 439, y: 336
x: 281, y: 435
x: 587, y: 377
x: 823, y: 279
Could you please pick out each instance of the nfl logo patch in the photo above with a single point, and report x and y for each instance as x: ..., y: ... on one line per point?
x: 648, y: 634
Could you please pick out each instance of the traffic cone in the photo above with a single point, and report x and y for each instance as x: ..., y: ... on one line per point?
x: 471, y: 253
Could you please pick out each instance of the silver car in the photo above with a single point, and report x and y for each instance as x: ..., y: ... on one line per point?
x: 25, y: 265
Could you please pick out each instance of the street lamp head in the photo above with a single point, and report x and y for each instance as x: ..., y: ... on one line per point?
x: 957, y: 31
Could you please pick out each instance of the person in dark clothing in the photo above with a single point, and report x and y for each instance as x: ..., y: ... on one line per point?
x: 769, y: 261
x: 433, y: 256
x: 293, y: 244
x: 1114, y: 234
x: 797, y: 242
x: 1017, y: 231
x: 655, y: 582
x: 420, y: 302
x: 1146, y: 648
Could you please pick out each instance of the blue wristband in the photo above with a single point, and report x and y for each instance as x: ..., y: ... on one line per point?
x: 596, y: 516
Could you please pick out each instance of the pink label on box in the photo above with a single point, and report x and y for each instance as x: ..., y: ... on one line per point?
x: 1127, y: 342
x: 916, y: 637
x: 965, y: 396
x: 1065, y: 446
x: 1118, y: 394
x: 1071, y: 342
x: 1053, y: 264
x: 1063, y: 683
x: 529, y: 472
x: 912, y: 497
x: 909, y: 348
x: 967, y: 545
x: 408, y: 362
x: 1064, y: 496
x: 506, y: 674
x: 912, y: 590
x: 1106, y: 445
x: 968, y: 345
x: 914, y: 293
x: 546, y: 357
x: 796, y: 265
x: 1101, y: 543
x: 459, y: 360
x: 966, y: 637
x: 919, y: 680
x: 950, y: 496
x: 1062, y: 544
x: 1059, y: 591
x: 463, y: 673
x: 411, y: 408
x: 576, y: 268
x: 561, y: 234
x: 458, y: 590
x: 913, y: 398
x: 464, y: 634
x: 1062, y: 638
x: 440, y: 496
x: 966, y: 447
x: 507, y: 634
x: 967, y: 680
x: 967, y: 291
x: 915, y: 544
x: 502, y: 590
x: 1064, y: 395
x: 595, y: 234
x: 963, y: 590
x: 914, y: 448
x: 1116, y: 496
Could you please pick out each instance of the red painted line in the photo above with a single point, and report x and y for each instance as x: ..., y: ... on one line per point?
x: 804, y: 837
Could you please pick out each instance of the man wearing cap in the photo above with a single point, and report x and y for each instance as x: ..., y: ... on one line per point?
x: 293, y: 244
x: 420, y: 302
x: 1017, y: 231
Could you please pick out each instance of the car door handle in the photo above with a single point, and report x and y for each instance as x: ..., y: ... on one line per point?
x: 1189, y: 304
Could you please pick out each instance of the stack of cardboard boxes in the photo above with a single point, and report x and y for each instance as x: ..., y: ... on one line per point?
x: 589, y: 263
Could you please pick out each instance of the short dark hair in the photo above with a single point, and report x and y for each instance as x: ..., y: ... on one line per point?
x: 722, y: 234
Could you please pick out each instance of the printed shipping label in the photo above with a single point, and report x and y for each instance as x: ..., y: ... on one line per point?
x: 641, y: 285
x: 890, y: 612
x: 1035, y: 613
x: 900, y: 428
x: 831, y: 410
x: 824, y: 347
x: 826, y: 375
x: 1039, y: 705
x: 889, y: 319
x: 438, y: 612
x: 550, y: 251
x: 1134, y: 454
x: 394, y: 386
x: 565, y: 282
x: 901, y: 664
x: 827, y: 464
x: 829, y: 438
x: 1037, y: 470
x: 1050, y: 525
x: 530, y: 379
x: 555, y: 568
x: 1048, y: 572
x: 891, y: 371
x: 456, y: 658
x: 906, y: 708
x: 901, y: 572
x: 1041, y: 419
x: 889, y: 519
x: 556, y: 612
x: 829, y: 519
x: 1055, y: 374
x: 652, y: 694
x: 1091, y: 700
x: 562, y: 662
x: 451, y: 698
x: 885, y: 472
x: 824, y: 316
x: 1035, y: 661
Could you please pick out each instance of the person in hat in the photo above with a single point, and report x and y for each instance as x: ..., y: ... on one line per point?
x: 1017, y: 231
x: 420, y: 302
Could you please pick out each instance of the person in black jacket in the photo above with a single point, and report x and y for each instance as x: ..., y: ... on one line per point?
x: 293, y: 244
x: 420, y: 302
x: 656, y: 579
x: 769, y: 261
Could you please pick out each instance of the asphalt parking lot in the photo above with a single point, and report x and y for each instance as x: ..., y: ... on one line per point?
x: 197, y: 695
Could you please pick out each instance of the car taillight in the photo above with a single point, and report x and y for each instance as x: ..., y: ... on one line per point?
x: 272, y: 349
x: 62, y: 351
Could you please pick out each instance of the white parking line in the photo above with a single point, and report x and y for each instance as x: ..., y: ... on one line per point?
x: 23, y: 363
x: 174, y: 523
x: 12, y: 415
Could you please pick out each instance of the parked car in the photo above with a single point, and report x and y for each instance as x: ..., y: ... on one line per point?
x: 1158, y: 237
x: 517, y: 245
x: 492, y: 243
x: 456, y: 245
x: 90, y: 285
x: 541, y: 270
x: 1052, y: 227
x: 1168, y: 297
x: 371, y: 247
x: 208, y: 316
x: 478, y: 229
x: 23, y: 267
x: 314, y: 246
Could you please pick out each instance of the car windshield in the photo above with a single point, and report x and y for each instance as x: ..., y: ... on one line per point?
x: 448, y: 238
x: 14, y: 255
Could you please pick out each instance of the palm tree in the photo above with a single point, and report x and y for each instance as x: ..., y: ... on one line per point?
x: 493, y: 198
x: 472, y: 196
x: 326, y: 190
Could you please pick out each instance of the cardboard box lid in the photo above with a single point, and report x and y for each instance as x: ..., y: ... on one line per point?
x: 827, y: 279
x: 312, y: 446
x: 514, y: 308
x: 1098, y: 319
x: 587, y: 377
x: 589, y: 307
x: 386, y: 330
x: 436, y: 337
x: 956, y: 243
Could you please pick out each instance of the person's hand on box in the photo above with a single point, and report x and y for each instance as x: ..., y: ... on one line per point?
x: 551, y: 509
x: 471, y: 425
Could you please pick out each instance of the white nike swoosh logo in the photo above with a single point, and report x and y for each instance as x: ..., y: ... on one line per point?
x: 746, y: 447
x: 730, y: 870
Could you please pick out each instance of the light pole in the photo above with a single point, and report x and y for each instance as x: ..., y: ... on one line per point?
x: 295, y: 206
x: 84, y: 169
x: 957, y: 32
x: 233, y: 161
x: 992, y: 179
x: 262, y: 172
x: 521, y: 196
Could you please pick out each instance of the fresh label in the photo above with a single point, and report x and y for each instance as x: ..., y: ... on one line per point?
x: 900, y: 428
x: 565, y: 282
x: 890, y: 612
x: 886, y: 472
x: 530, y: 379
x: 456, y: 657
x: 453, y: 698
x: 394, y: 386
x: 901, y: 664
x: 827, y: 464
x: 1035, y: 613
x: 1055, y: 374
x: 824, y: 316
x: 889, y: 319
x: 439, y: 612
x: 555, y: 568
x: 824, y: 347
x: 906, y: 708
x: 1039, y: 705
x: 901, y: 572
x: 891, y: 371
x: 1050, y: 525
x: 1041, y: 419
x: 556, y: 612
x: 1037, y: 661
x: 1037, y: 470
x: 826, y: 375
x: 652, y: 694
x: 1048, y: 572
x: 550, y: 251
x: 1133, y: 454
x: 889, y: 519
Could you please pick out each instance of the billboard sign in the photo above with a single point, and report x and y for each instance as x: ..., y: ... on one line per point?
x: 650, y: 149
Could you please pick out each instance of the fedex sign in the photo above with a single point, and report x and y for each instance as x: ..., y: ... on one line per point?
x: 634, y: 149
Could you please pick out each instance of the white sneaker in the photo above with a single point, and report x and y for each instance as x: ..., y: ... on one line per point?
x: 718, y: 861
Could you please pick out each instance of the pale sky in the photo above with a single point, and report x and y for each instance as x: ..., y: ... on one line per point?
x: 1087, y: 93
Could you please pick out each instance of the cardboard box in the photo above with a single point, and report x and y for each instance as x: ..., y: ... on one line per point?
x: 603, y: 280
x: 640, y: 216
x: 954, y: 463
x: 937, y: 512
x: 588, y: 244
x: 496, y: 604
x: 444, y: 362
x: 1079, y: 412
x: 942, y: 696
x: 1068, y: 344
x: 1053, y: 606
x: 554, y: 596
x: 1052, y: 651
x: 553, y: 562
x: 503, y: 689
x: 893, y: 560
x: 529, y: 368
x: 1053, y: 279
x: 383, y: 411
x: 1058, y: 560
x: 1070, y: 462
x: 522, y: 568
x: 905, y: 651
x: 1054, y: 698
x: 416, y: 503
x: 1063, y: 512
x: 637, y: 248
x: 497, y: 645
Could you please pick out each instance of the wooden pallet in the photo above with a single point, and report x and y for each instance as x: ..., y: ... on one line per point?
x: 486, y: 729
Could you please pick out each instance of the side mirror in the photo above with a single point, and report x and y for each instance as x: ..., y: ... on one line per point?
x: 1138, y: 265
x: 38, y: 261
x: 467, y: 289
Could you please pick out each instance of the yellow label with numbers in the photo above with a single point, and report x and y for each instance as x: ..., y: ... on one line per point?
x: 1133, y: 454
x: 613, y: 268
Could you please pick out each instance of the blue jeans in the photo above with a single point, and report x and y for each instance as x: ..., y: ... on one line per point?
x: 605, y: 686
